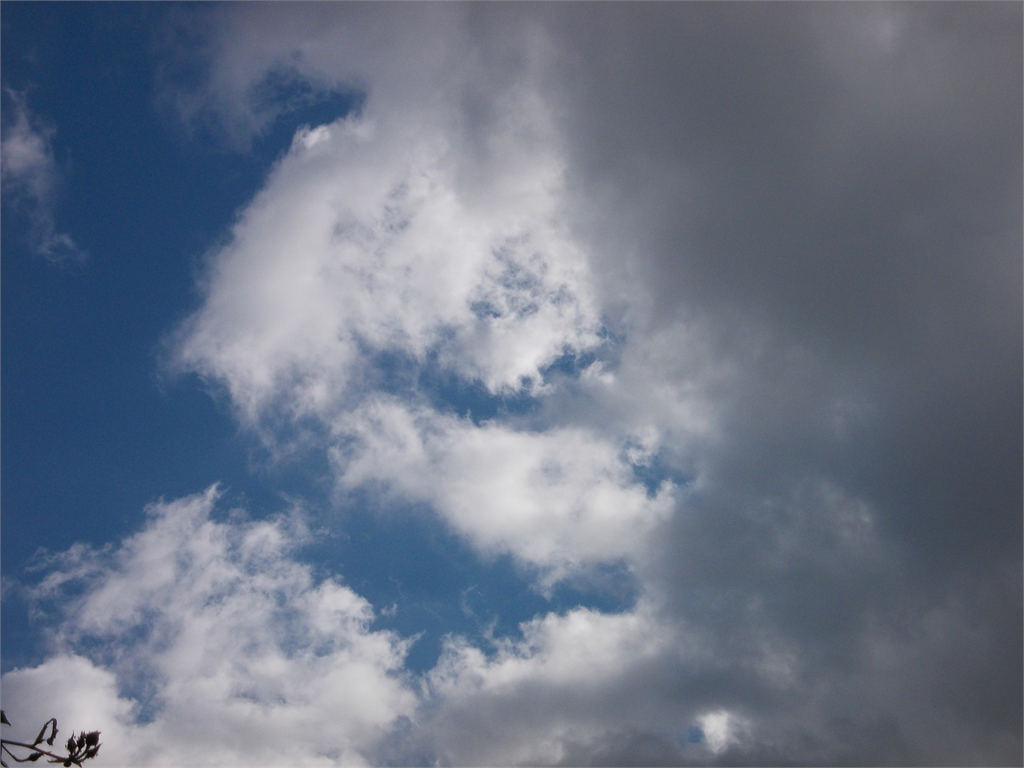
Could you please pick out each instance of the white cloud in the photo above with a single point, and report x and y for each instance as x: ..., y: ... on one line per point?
x: 391, y: 234
x: 557, y: 498
x: 571, y: 679
x: 210, y: 645
x: 720, y: 729
x: 80, y: 694
x: 30, y: 178
x: 27, y: 156
x: 365, y: 240
x: 205, y: 643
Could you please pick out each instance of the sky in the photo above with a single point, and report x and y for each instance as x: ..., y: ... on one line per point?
x: 478, y: 384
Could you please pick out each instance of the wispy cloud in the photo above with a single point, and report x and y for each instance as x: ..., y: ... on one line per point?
x: 31, y: 180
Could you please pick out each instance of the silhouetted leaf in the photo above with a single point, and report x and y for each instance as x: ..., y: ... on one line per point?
x: 42, y: 733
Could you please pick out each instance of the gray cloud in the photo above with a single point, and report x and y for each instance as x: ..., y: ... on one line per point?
x: 840, y: 187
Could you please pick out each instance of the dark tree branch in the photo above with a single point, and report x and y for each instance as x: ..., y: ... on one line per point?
x: 82, y: 747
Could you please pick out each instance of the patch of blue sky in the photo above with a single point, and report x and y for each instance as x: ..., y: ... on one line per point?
x: 449, y: 393
x: 655, y: 470
x: 400, y: 374
x: 572, y: 364
x: 300, y: 105
x: 425, y: 581
x: 81, y: 384
x: 693, y: 735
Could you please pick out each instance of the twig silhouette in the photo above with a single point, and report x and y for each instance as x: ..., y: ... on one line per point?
x: 82, y: 747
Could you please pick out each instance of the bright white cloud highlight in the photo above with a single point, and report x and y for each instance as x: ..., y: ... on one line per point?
x: 368, y: 239
x: 555, y: 499
x: 719, y: 728
x: 210, y: 645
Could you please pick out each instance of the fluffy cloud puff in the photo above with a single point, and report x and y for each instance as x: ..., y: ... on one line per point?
x: 534, y: 698
x: 366, y: 241
x: 203, y: 642
x: 379, y: 237
x: 557, y: 499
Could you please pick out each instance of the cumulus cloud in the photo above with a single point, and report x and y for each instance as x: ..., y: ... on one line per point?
x: 365, y: 241
x: 532, y: 698
x: 771, y: 250
x: 204, y: 642
x: 556, y: 499
x: 31, y: 180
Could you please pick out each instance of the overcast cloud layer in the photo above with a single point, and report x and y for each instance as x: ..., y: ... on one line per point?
x: 751, y: 275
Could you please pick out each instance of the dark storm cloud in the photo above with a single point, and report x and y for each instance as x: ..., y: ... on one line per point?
x: 786, y: 160
x: 842, y: 183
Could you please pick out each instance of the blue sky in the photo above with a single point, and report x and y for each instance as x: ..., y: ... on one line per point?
x: 632, y: 384
x: 87, y: 398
